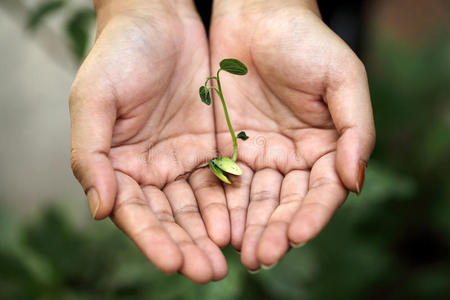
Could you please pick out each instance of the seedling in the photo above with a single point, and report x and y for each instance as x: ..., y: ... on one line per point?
x: 222, y: 164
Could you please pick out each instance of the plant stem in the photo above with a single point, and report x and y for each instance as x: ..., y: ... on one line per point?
x: 212, y: 88
x: 227, y: 117
x: 208, y: 78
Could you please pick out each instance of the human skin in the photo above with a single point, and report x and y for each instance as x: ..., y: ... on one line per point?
x: 137, y: 125
x: 305, y: 105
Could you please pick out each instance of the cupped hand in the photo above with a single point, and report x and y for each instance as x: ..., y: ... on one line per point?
x: 306, y: 107
x: 138, y: 127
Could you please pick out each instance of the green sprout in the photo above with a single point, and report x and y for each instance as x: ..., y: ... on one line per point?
x: 222, y: 164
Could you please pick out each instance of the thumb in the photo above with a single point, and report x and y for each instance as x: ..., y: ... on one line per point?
x: 92, y: 120
x: 350, y: 107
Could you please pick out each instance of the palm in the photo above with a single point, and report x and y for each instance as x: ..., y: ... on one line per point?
x: 289, y: 159
x: 162, y: 132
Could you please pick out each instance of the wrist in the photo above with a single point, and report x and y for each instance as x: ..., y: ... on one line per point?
x: 222, y: 7
x: 109, y: 9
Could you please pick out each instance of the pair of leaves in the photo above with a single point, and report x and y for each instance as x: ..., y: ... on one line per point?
x: 224, y: 164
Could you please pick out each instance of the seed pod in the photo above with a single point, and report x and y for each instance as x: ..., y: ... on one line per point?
x: 218, y: 172
x: 228, y: 165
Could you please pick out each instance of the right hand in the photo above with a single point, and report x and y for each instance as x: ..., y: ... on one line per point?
x: 137, y: 125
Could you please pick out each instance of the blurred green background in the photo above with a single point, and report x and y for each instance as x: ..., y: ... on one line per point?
x: 392, y: 242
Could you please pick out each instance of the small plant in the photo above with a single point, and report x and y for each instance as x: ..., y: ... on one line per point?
x: 222, y: 164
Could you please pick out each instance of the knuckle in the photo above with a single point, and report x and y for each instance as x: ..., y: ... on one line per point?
x: 359, y: 66
x: 75, y: 164
x: 264, y: 195
x: 73, y: 94
x: 130, y: 202
x: 372, y: 138
x: 349, y: 66
x: 164, y: 215
x: 205, y: 184
x: 188, y: 209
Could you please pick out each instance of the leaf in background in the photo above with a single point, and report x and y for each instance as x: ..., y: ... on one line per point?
x: 233, y: 66
x: 382, y: 184
x: 232, y: 286
x: 78, y: 28
x: 15, y: 280
x: 289, y: 281
x: 42, y: 11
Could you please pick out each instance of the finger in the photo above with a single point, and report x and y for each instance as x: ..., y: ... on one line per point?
x: 187, y: 215
x: 92, y: 119
x: 212, y: 203
x: 264, y: 198
x: 196, y: 265
x: 133, y: 215
x: 325, y: 195
x: 348, y: 99
x: 237, y: 196
x: 274, y: 242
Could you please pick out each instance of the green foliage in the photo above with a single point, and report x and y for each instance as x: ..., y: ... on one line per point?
x: 78, y: 23
x: 42, y: 11
x: 53, y: 259
x: 351, y: 258
x: 77, y: 28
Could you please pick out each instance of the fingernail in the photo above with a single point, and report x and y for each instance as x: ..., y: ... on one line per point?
x: 94, y: 201
x: 297, y: 245
x: 268, y: 267
x: 360, y: 176
x: 253, y: 271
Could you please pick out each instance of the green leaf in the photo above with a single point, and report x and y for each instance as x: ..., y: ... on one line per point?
x: 218, y: 172
x: 227, y: 165
x: 205, y: 95
x: 233, y: 66
x: 241, y: 135
x: 78, y: 29
x: 42, y: 11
